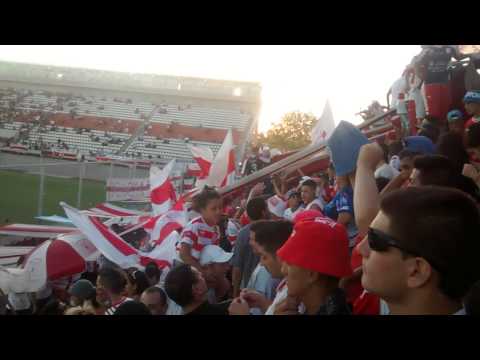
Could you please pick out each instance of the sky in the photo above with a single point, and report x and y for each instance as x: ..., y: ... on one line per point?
x: 293, y: 77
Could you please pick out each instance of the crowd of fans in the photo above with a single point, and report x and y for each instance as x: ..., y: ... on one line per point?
x: 395, y: 236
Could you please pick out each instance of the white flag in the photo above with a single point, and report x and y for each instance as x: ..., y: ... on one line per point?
x: 324, y: 126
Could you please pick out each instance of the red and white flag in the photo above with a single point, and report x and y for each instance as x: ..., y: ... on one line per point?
x: 324, y: 126
x: 222, y: 171
x: 162, y: 192
x: 161, y: 226
x: 204, y: 157
x: 112, y: 246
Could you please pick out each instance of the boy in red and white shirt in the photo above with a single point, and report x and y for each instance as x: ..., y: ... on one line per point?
x: 203, y: 230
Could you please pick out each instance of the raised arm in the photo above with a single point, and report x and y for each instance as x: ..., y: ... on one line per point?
x: 366, y: 199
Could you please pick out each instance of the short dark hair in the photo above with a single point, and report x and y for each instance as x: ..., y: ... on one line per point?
x: 435, y: 170
x: 272, y: 234
x: 132, y: 308
x: 440, y: 224
x: 473, y: 136
x: 201, y: 200
x: 381, y: 183
x: 178, y: 284
x: 256, y: 208
x: 153, y: 271
x: 112, y: 279
x: 407, y: 154
x: 159, y: 291
x: 451, y: 145
x: 395, y: 148
x: 310, y: 183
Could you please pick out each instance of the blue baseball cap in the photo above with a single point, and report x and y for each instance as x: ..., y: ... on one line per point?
x: 454, y: 115
x: 472, y: 97
x: 420, y: 144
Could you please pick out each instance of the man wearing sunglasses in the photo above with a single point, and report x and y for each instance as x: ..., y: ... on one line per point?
x: 420, y: 254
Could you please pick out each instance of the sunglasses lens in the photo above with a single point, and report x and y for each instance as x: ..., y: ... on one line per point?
x: 376, y: 242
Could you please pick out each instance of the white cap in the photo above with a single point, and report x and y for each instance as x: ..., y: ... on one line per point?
x: 214, y: 254
x: 276, y: 205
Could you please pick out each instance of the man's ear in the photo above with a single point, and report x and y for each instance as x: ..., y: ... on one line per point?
x: 419, y: 272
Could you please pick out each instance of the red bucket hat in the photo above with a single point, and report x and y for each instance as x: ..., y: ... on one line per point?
x: 319, y: 245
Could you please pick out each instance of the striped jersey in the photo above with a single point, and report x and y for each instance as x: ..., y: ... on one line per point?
x: 112, y: 309
x: 199, y: 234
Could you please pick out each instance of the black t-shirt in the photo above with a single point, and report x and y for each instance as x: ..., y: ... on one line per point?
x: 436, y: 62
x: 212, y: 309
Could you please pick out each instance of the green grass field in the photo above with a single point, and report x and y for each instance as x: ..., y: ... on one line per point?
x: 19, y: 196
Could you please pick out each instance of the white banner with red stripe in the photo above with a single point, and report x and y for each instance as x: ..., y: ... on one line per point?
x: 119, y: 189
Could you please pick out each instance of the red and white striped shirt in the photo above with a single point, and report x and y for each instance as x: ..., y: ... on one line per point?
x: 199, y: 234
x: 112, y: 309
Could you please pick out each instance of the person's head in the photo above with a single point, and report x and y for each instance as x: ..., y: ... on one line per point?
x: 266, y: 237
x: 155, y: 299
x: 257, y: 209
x: 422, y: 244
x: 185, y: 285
x: 473, y: 140
x: 294, y: 200
x: 433, y: 170
x: 53, y: 307
x: 472, y: 102
x: 209, y: 204
x: 315, y: 255
x: 406, y: 160
x: 132, y: 308
x: 456, y: 123
x: 451, y: 145
x: 80, y: 291
x: 110, y: 282
x: 215, y: 264
x: 308, y: 191
x: 153, y: 273
x: 429, y: 128
x: 137, y: 283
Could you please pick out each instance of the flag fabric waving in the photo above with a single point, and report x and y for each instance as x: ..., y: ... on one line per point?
x: 204, y: 157
x: 162, y: 192
x: 112, y: 246
x: 324, y: 126
x: 222, y: 171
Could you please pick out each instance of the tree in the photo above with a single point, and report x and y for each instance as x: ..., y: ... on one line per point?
x: 291, y: 133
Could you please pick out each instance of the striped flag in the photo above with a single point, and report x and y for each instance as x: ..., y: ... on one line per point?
x: 112, y: 246
x: 162, y: 192
x: 222, y: 171
x: 161, y: 226
x: 204, y: 157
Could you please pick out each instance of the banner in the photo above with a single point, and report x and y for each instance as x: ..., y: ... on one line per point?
x: 128, y: 189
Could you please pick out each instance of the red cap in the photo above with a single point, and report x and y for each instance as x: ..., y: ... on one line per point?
x: 307, y: 215
x: 319, y: 245
x: 244, y: 220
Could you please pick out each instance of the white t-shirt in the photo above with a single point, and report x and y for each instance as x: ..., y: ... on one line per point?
x: 261, y: 281
x: 319, y: 202
x: 289, y: 215
x: 282, y: 293
x: 398, y: 87
x: 386, y: 171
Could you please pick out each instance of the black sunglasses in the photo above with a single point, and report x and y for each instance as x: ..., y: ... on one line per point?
x: 379, y: 241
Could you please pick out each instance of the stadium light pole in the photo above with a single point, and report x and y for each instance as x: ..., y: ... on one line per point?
x: 42, y: 185
x: 80, y: 184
